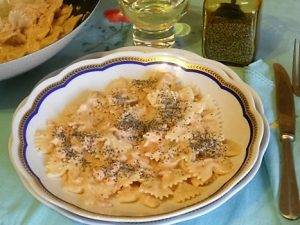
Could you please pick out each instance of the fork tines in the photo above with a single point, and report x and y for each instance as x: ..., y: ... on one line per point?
x: 296, y: 68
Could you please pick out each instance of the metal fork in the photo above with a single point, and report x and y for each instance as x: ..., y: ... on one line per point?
x: 296, y: 68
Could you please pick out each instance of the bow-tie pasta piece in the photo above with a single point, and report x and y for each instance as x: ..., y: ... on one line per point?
x: 149, y: 201
x: 55, y: 167
x: 154, y: 187
x: 186, y: 191
x: 73, y: 182
x: 128, y: 194
x: 173, y: 177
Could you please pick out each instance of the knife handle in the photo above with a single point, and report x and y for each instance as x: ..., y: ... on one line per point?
x: 289, y: 203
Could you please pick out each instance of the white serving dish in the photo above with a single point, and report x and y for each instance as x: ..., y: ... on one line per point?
x: 19, y: 163
x: 21, y: 65
x: 196, y: 213
x: 187, y: 216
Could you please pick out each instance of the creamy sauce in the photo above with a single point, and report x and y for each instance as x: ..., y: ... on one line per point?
x: 139, y: 147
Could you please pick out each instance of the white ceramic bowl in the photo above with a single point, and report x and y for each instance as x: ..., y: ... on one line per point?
x: 187, y: 216
x: 187, y: 55
x: 242, y: 122
x: 21, y: 65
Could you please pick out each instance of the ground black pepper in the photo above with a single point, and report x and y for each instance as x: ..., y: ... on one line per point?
x: 171, y: 112
x: 149, y: 83
x: 207, y: 145
x: 129, y: 122
x: 230, y: 39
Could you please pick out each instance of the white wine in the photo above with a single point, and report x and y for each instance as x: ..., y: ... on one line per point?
x: 153, y: 15
x: 153, y: 20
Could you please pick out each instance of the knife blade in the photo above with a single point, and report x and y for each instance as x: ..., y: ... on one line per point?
x: 289, y: 203
x: 284, y: 101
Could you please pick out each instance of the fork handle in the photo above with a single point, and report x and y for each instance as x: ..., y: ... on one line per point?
x: 289, y: 203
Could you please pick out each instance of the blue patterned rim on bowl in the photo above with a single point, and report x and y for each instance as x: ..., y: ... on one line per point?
x: 253, y: 121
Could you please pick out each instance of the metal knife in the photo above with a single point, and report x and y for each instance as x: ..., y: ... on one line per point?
x: 289, y: 203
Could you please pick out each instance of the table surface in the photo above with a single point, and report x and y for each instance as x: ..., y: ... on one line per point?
x: 280, y: 26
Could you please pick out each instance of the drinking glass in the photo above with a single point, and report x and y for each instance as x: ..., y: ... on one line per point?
x: 153, y: 20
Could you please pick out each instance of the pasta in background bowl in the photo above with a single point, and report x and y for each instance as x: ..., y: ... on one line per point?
x: 32, y: 31
x: 240, y: 123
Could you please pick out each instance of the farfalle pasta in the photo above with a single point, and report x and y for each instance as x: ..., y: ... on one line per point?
x: 139, y: 147
x: 173, y: 177
x: 27, y: 26
x: 186, y: 191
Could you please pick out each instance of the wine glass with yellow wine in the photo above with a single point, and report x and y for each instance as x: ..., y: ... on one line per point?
x: 153, y: 20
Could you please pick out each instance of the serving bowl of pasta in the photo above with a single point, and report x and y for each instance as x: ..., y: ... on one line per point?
x: 136, y: 137
x: 32, y: 31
